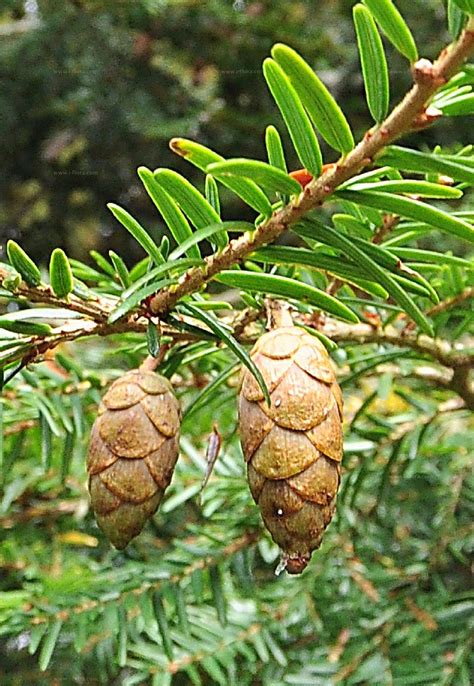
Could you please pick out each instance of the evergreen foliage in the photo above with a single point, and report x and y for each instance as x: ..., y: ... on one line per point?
x: 378, y: 264
x: 92, y: 89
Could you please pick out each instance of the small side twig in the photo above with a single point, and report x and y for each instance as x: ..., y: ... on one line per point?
x: 389, y: 222
x: 447, y: 304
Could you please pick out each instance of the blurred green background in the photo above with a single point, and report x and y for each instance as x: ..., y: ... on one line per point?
x: 91, y: 89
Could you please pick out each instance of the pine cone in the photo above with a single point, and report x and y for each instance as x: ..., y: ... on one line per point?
x: 293, y: 448
x: 132, y: 453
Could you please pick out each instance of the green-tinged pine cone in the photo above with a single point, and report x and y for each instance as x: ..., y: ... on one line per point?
x: 293, y: 448
x: 132, y: 453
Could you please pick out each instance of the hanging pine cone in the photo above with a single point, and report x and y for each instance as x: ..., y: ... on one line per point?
x: 293, y: 447
x: 132, y: 453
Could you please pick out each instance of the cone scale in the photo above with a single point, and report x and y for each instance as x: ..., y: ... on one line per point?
x: 293, y: 448
x: 132, y: 453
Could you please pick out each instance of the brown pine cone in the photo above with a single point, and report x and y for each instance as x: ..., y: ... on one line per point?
x: 132, y: 453
x: 293, y: 448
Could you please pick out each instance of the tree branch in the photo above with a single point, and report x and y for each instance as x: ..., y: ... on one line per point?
x: 97, y: 309
x: 444, y: 305
x: 462, y: 385
x: 438, y: 349
x: 410, y: 114
x: 460, y: 362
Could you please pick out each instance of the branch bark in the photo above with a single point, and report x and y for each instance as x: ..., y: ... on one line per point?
x: 438, y: 349
x: 460, y: 362
x: 466, y: 294
x: 410, y: 114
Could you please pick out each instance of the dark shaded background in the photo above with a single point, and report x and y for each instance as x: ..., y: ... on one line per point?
x: 91, y: 89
